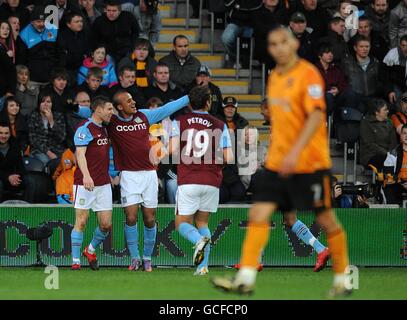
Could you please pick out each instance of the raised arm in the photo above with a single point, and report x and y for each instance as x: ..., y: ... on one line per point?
x: 156, y: 115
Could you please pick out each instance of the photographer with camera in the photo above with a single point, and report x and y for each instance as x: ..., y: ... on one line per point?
x: 349, y: 196
x: 395, y: 171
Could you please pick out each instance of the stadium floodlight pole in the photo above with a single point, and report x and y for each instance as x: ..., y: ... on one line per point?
x: 187, y: 16
x: 200, y: 21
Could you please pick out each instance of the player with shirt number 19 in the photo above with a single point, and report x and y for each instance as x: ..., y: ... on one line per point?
x: 204, y: 144
x: 92, y: 188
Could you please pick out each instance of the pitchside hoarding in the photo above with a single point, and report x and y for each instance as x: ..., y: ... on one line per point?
x: 377, y: 237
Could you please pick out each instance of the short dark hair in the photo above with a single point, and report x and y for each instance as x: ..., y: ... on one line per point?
x: 11, y: 99
x: 375, y: 105
x: 59, y: 73
x: 365, y: 18
x: 199, y: 96
x: 141, y: 42
x: 360, y: 38
x: 161, y: 65
x: 99, y: 101
x: 403, y: 38
x: 115, y: 99
x: 404, y: 126
x: 96, y: 72
x: 123, y: 69
x: 374, y: 1
x: 113, y: 3
x: 4, y: 125
x: 154, y: 100
x: 71, y: 14
x: 324, y: 48
x: 179, y: 36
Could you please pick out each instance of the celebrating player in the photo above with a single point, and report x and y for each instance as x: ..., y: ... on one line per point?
x: 92, y: 188
x: 198, y: 137
x: 129, y: 133
x: 298, y: 163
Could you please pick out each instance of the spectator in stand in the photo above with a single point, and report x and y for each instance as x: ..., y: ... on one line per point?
x: 316, y: 16
x: 252, y: 158
x: 18, y: 124
x: 14, y: 22
x: 238, y: 22
x: 395, y: 63
x: 400, y: 117
x: 335, y: 39
x: 7, y: 67
x: 271, y: 14
x: 15, y: 8
x: 379, y: 15
x: 47, y: 133
x: 395, y: 171
x: 25, y: 93
x: 7, y: 40
x: 72, y: 119
x: 89, y: 11
x: 92, y: 85
x: 181, y: 63
x: 127, y: 82
x: 117, y: 29
x: 140, y: 61
x: 298, y: 26
x: 398, y: 23
x: 377, y: 135
x: 233, y: 120
x: 64, y: 7
x: 162, y: 87
x: 58, y: 89
x: 343, y: 11
x: 64, y: 178
x: 203, y: 78
x: 73, y: 42
x: 378, y: 45
x: 364, y: 73
x: 265, y: 112
x: 232, y: 189
x: 98, y: 59
x: 150, y: 20
x: 11, y: 164
x: 39, y: 48
x: 335, y: 79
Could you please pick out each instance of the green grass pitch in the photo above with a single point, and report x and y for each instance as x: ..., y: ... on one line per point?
x: 179, y: 284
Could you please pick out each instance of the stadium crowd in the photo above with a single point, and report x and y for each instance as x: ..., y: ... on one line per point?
x: 99, y: 48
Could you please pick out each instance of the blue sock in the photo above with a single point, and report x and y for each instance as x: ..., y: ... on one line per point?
x: 76, y: 243
x: 98, y: 237
x: 189, y: 232
x: 205, y: 232
x: 302, y: 232
x: 131, y: 234
x: 149, y: 241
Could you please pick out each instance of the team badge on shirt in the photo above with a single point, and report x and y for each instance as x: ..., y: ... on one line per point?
x: 315, y: 91
x: 82, y: 202
x: 138, y: 120
x: 81, y: 136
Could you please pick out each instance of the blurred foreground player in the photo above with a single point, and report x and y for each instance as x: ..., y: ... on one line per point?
x: 203, y: 144
x: 92, y: 189
x: 298, y: 163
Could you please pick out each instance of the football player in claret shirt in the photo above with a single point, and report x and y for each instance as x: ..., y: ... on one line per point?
x: 92, y: 188
x: 133, y: 157
x: 297, y: 167
x: 200, y: 139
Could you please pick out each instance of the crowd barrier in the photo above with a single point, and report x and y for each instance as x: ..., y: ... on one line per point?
x: 376, y: 237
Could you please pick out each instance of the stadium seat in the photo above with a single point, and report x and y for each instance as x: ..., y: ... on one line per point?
x: 347, y: 131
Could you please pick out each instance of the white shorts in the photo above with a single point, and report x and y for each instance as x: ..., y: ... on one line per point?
x: 100, y: 199
x: 139, y: 187
x: 194, y: 197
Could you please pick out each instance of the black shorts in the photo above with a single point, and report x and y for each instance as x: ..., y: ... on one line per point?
x: 311, y: 191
